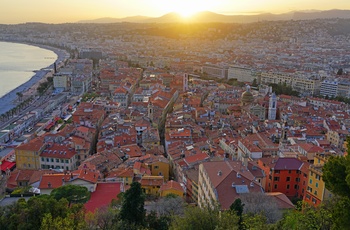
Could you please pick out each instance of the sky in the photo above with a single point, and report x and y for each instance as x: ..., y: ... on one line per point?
x: 61, y: 11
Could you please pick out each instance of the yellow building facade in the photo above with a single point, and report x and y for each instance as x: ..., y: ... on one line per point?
x: 316, y: 191
x: 28, y: 155
x: 151, y: 184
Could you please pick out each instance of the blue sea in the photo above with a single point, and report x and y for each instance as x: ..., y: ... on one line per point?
x: 17, y: 63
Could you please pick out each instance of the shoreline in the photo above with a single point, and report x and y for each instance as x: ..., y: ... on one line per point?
x: 28, y: 88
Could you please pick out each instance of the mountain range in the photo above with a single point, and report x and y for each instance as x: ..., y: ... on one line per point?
x: 207, y: 16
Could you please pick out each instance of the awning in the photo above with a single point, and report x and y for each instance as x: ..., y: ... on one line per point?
x: 7, y: 165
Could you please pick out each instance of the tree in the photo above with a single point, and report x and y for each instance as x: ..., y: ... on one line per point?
x: 237, y: 207
x: 58, y: 223
x: 336, y: 175
x: 32, y: 213
x: 103, y: 218
x: 309, y: 218
x: 340, y: 71
x: 132, y: 209
x: 20, y: 95
x: 73, y: 193
x: 255, y: 83
x: 206, y: 218
x: 261, y: 204
x: 169, y: 206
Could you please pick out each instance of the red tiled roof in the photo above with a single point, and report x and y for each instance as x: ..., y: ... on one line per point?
x: 103, y: 196
x: 52, y: 181
x: 288, y: 164
x: 7, y: 165
x: 196, y: 158
x: 171, y: 185
x: 152, y: 180
x: 281, y: 199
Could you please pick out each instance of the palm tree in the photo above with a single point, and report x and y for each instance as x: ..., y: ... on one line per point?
x: 20, y: 95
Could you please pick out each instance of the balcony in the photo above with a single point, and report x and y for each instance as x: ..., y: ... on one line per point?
x: 316, y: 168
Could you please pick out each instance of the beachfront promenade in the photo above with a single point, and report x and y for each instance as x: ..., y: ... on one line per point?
x: 8, y: 101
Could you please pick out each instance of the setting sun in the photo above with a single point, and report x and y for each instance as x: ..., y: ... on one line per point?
x: 187, y: 8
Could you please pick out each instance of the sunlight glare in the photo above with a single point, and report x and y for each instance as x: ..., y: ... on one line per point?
x: 187, y: 8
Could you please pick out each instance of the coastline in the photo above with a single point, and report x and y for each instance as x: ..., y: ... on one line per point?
x: 7, y: 101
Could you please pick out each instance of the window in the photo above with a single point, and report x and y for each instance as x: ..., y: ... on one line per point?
x: 287, y: 186
x: 47, y: 159
x: 276, y: 179
x: 67, y: 161
x: 277, y: 171
x: 156, y: 167
x: 51, y: 159
x: 296, y: 186
x: 310, y: 182
x: 57, y: 160
x: 289, y: 171
x: 316, y: 184
x: 309, y: 188
x: 297, y: 179
x: 288, y: 179
x: 315, y: 192
x: 314, y: 200
x: 275, y: 186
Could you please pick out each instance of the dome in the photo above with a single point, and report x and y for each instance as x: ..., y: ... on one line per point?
x: 247, y: 98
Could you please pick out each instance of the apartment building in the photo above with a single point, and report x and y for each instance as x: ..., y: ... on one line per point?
x: 215, y: 71
x: 222, y: 182
x: 240, y: 73
x: 316, y: 190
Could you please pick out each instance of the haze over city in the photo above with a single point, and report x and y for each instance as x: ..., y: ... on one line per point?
x: 164, y: 114
x: 21, y: 11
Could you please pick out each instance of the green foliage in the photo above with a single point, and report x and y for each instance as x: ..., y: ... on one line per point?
x: 38, y: 212
x: 157, y: 223
x: 73, y: 193
x: 309, y: 218
x: 132, y: 210
x: 50, y: 80
x: 58, y: 223
x: 205, y: 219
x: 237, y: 207
x: 254, y: 222
x: 336, y: 175
x: 43, y: 86
x: 255, y: 83
x: 21, y: 190
x: 88, y: 96
x: 283, y: 89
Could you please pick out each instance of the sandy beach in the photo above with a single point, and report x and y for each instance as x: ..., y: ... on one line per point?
x: 9, y: 100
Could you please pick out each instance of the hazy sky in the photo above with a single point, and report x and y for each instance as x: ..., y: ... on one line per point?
x: 58, y: 11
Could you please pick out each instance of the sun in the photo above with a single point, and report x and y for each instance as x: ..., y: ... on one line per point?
x: 187, y: 8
